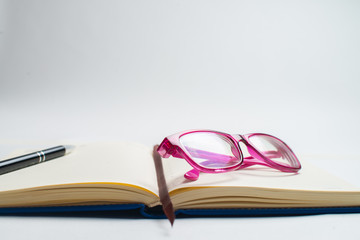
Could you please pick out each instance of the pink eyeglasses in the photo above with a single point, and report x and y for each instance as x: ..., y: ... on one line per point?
x: 214, y: 152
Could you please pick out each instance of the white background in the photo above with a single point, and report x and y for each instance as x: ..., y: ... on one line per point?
x: 141, y: 70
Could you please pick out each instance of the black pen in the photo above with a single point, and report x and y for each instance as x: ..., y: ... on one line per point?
x: 30, y: 159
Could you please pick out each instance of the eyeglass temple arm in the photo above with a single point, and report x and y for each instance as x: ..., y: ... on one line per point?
x: 248, y: 161
x: 166, y: 149
x: 193, y: 174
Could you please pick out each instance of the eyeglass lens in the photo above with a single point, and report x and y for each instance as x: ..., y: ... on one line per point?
x: 274, y: 149
x: 211, y: 150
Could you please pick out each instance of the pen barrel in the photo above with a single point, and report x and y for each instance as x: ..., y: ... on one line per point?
x: 30, y: 159
x: 54, y: 152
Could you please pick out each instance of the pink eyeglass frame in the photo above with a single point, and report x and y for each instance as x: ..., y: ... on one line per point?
x: 171, y: 146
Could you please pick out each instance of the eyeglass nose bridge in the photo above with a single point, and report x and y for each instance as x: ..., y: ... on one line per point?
x: 254, y: 158
x: 238, y: 140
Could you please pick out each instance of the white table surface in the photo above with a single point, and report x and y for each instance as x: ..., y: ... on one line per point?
x: 142, y: 70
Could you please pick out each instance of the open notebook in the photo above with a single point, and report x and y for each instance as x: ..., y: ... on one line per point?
x: 117, y: 176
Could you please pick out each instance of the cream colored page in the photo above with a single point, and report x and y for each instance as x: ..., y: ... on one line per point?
x: 119, y: 162
x: 308, y: 178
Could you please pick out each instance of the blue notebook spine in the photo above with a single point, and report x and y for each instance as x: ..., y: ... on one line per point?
x: 253, y: 212
x: 131, y: 210
x: 70, y: 209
